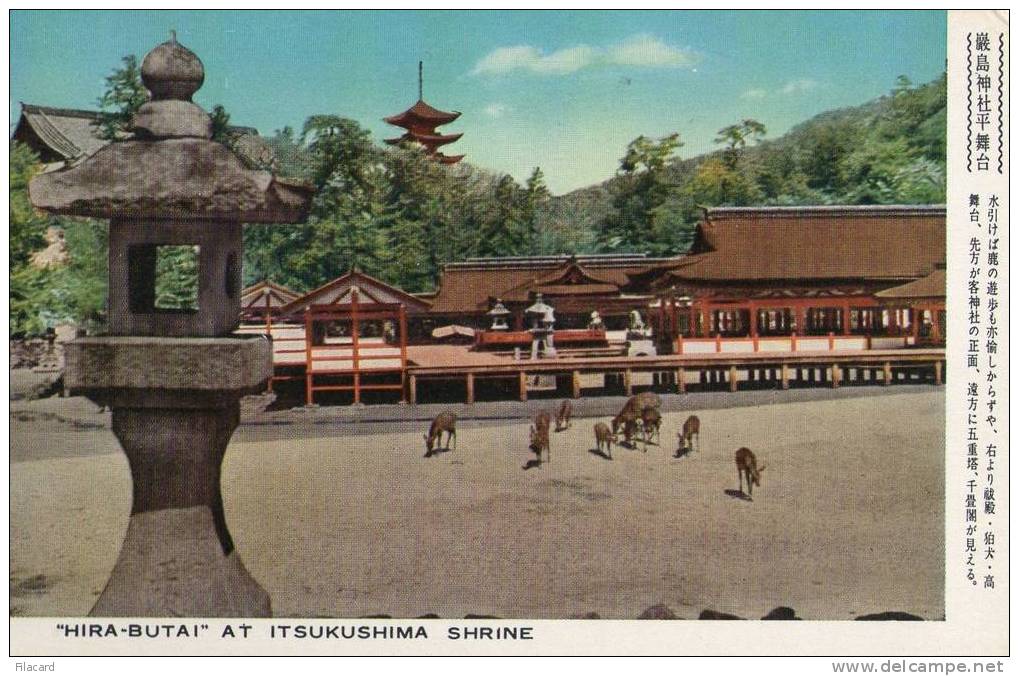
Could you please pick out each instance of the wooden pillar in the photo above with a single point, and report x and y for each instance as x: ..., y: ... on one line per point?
x: 888, y: 373
x: 845, y: 318
x: 801, y: 322
x: 914, y: 314
x: 785, y: 376
x: 268, y: 332
x: 355, y: 342
x: 681, y: 381
x: 576, y: 384
x: 831, y: 341
x: 523, y: 386
x: 309, y: 326
x: 403, y: 348
x: 836, y: 375
x: 628, y: 382
x: 937, y: 373
x: 679, y: 344
x: 753, y: 323
x: 412, y: 389
x: 733, y: 379
x: 470, y: 388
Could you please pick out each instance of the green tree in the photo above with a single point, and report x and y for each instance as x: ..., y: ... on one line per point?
x: 736, y: 137
x: 123, y: 96
x: 639, y: 193
x: 29, y: 285
x: 535, y: 202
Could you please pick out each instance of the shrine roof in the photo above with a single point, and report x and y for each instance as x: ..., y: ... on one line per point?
x: 803, y: 243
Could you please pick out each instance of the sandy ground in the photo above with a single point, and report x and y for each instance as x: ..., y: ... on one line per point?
x: 334, y: 521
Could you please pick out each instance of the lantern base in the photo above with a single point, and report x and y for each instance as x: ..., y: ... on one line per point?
x: 172, y: 565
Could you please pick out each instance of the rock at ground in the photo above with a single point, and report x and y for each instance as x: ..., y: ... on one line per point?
x: 658, y: 612
x: 586, y: 616
x: 709, y: 614
x: 782, y: 613
x: 472, y: 616
x: 428, y: 616
x: 376, y: 617
x: 891, y: 615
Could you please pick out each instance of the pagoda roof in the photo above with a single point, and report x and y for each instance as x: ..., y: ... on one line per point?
x: 421, y: 112
x: 432, y: 140
x: 448, y: 159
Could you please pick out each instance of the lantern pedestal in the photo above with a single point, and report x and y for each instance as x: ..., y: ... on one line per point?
x: 175, y: 406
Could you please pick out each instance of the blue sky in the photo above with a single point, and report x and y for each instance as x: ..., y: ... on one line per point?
x: 563, y: 90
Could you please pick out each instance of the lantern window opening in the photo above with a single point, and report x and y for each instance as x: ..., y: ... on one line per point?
x: 163, y: 278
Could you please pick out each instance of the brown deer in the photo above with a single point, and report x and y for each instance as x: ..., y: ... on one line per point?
x: 632, y: 411
x: 539, y: 442
x: 543, y: 420
x: 444, y: 422
x: 746, y: 465
x: 603, y: 435
x: 651, y: 426
x: 563, y: 415
x: 691, y: 429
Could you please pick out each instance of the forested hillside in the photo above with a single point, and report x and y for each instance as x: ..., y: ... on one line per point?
x: 887, y: 151
x: 395, y: 214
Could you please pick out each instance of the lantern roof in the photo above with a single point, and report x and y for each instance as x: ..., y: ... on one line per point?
x: 539, y: 307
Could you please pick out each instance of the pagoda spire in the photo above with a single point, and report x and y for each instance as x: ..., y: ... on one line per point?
x: 421, y: 121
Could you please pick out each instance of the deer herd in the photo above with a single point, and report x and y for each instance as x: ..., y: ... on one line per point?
x: 639, y: 420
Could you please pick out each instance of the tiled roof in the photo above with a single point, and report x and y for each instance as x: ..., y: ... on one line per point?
x: 804, y: 243
x: 467, y: 286
x: 67, y: 134
x: 931, y: 286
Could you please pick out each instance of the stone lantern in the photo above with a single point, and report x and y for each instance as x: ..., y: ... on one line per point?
x: 499, y: 313
x: 542, y: 329
x: 173, y: 376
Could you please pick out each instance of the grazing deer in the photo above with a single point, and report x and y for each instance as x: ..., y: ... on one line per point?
x: 632, y: 411
x: 539, y: 442
x: 746, y: 465
x: 691, y: 429
x: 603, y: 435
x: 542, y: 421
x: 444, y: 422
x: 628, y: 422
x: 563, y: 415
x: 651, y: 426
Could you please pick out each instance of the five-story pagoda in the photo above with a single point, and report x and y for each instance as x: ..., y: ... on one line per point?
x: 421, y: 121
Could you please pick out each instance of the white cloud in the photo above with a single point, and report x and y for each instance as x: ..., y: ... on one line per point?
x: 496, y: 109
x: 790, y: 87
x: 649, y: 51
x: 797, y: 86
x: 643, y: 51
